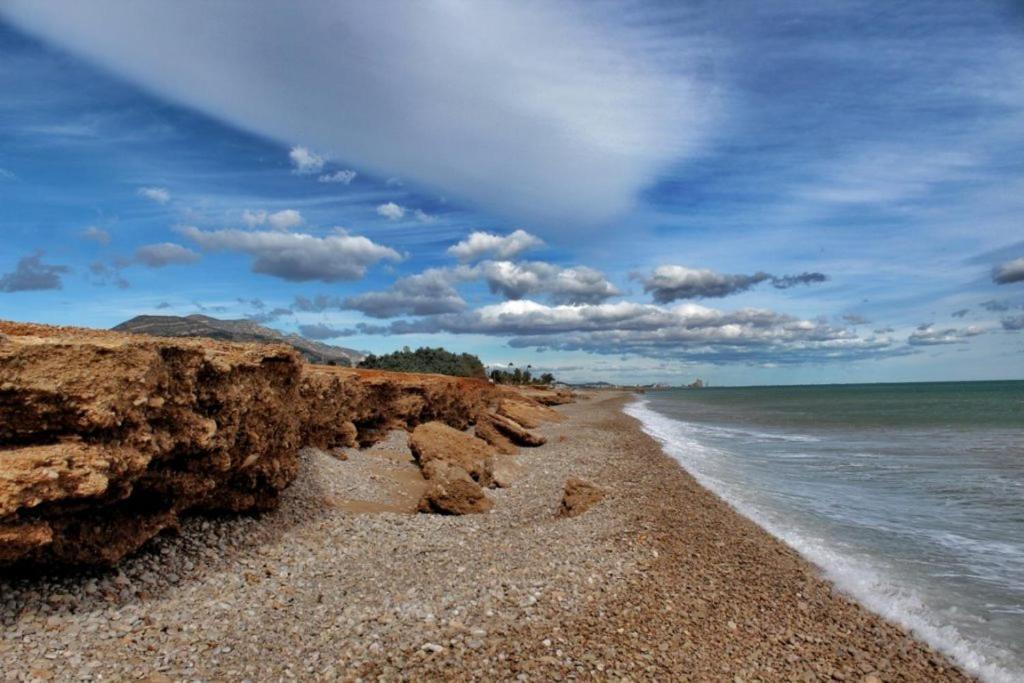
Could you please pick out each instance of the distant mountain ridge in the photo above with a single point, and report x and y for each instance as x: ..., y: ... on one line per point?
x: 237, y: 331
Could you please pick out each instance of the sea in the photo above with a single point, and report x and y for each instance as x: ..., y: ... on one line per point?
x: 908, y: 497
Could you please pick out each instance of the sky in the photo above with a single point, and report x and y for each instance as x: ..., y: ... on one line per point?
x: 747, y: 192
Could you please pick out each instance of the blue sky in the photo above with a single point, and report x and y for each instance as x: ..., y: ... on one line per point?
x: 758, y: 193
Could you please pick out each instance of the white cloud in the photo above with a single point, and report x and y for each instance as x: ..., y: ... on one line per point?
x: 485, y: 244
x: 7, y: 175
x: 424, y: 217
x: 557, y: 111
x: 164, y: 254
x: 391, y: 211
x: 671, y: 283
x: 279, y: 220
x: 929, y: 335
x: 305, y: 161
x: 563, y: 285
x: 96, y: 235
x: 685, y: 331
x: 298, y: 256
x: 344, y: 177
x: 285, y: 220
x: 1011, y: 271
x: 427, y: 293
x: 160, y: 195
x: 254, y: 218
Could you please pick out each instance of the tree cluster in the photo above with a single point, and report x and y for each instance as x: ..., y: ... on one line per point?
x: 426, y: 359
x: 519, y: 376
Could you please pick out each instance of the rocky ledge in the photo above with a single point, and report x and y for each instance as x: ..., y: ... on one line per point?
x: 106, y: 439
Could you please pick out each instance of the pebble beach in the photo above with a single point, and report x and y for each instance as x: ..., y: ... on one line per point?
x: 660, y: 580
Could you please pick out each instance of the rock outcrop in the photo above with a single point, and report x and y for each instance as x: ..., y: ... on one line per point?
x: 375, y: 402
x: 578, y: 497
x: 107, y: 438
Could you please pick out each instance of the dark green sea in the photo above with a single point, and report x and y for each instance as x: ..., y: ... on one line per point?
x: 910, y: 497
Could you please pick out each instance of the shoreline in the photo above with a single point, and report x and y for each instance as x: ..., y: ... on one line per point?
x: 661, y: 580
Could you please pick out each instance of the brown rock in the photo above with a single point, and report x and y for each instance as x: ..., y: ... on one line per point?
x: 107, y: 438
x: 452, y: 491
x: 435, y: 441
x: 578, y: 497
x: 502, y: 471
x: 527, y: 412
x: 374, y: 402
x: 515, y: 432
x: 486, y: 430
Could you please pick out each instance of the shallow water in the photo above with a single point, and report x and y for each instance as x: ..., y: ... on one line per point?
x: 908, y: 496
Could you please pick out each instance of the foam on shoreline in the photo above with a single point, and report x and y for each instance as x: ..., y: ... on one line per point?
x: 861, y: 579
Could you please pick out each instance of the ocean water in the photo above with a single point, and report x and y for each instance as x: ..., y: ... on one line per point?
x: 909, y: 497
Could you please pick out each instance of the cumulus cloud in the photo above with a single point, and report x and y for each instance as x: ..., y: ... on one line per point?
x: 305, y: 161
x: 160, y: 195
x: 427, y: 293
x: 164, y: 254
x: 1013, y: 323
x: 391, y: 211
x: 322, y: 331
x: 104, y: 274
x: 573, y: 132
x: 297, y: 256
x: 929, y: 335
x: 1009, y: 272
x: 960, y: 313
x: 855, y: 319
x: 345, y: 177
x: 279, y: 220
x: 671, y: 282
x: 485, y: 244
x: 575, y: 285
x: 31, y: 273
x: 686, y: 331
x: 95, y: 234
x: 993, y: 306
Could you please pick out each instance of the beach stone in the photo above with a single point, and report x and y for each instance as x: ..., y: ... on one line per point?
x: 437, y: 442
x: 579, y: 496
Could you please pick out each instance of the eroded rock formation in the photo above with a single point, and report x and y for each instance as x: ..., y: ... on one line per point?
x: 107, y: 438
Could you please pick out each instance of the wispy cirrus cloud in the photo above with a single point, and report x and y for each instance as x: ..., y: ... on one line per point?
x: 578, y: 128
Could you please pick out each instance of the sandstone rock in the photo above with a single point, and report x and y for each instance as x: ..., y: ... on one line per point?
x: 502, y: 470
x: 578, y: 497
x: 106, y: 438
x: 514, y: 431
x: 486, y: 430
x: 527, y: 412
x: 375, y: 402
x: 435, y: 441
x: 452, y: 491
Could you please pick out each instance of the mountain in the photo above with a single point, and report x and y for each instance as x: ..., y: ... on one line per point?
x: 237, y: 331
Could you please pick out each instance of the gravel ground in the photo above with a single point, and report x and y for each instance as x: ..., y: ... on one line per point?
x: 660, y: 581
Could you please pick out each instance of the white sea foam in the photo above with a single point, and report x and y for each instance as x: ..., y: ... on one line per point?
x: 864, y: 578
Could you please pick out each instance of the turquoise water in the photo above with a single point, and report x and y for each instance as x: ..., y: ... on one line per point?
x: 909, y: 496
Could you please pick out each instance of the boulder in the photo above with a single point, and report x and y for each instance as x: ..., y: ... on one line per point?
x: 502, y: 470
x: 436, y: 441
x: 514, y: 431
x: 486, y: 430
x: 452, y: 491
x: 527, y: 412
x: 578, y: 497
